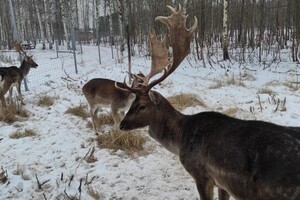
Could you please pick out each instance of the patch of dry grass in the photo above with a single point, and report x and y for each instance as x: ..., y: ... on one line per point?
x: 294, y: 86
x: 12, y: 113
x: 45, y: 101
x: 79, y: 111
x: 230, y: 80
x: 103, y: 119
x: 22, y: 134
x: 266, y: 91
x: 130, y: 142
x: 94, y: 193
x: 182, y: 101
x: 3, y: 176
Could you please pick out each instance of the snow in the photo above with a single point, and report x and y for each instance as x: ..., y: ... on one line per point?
x: 63, y: 140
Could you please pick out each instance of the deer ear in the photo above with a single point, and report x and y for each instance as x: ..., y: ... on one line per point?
x: 154, y: 97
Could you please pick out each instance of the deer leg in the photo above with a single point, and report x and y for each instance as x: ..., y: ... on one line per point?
x: 20, y: 94
x: 223, y: 195
x: 10, y: 94
x: 93, y: 113
x: 115, y: 116
x: 205, y: 189
x: 3, y: 102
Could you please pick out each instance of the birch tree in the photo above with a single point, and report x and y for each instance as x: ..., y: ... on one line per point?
x: 225, y: 30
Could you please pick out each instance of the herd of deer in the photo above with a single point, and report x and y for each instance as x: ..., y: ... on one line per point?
x: 248, y: 160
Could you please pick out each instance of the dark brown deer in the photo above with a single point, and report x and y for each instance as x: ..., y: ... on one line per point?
x: 248, y: 160
x: 100, y: 92
x: 13, y: 76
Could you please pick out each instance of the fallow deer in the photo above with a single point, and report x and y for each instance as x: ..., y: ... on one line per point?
x: 13, y: 76
x: 248, y: 160
x: 100, y: 92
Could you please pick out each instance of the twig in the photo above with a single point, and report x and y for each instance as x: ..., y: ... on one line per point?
x: 277, y: 105
x: 44, y: 196
x: 71, y: 179
x: 41, y: 184
x: 79, y: 188
x: 260, y: 106
x: 67, y: 194
x: 62, y: 176
x: 68, y: 76
x: 89, y: 182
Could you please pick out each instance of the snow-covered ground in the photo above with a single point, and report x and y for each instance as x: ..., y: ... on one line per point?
x: 63, y: 140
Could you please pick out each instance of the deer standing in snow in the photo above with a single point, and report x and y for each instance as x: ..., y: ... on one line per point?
x: 13, y: 76
x: 100, y: 92
x: 248, y: 160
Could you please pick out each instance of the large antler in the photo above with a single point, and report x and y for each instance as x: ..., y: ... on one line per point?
x: 180, y: 38
x: 159, y: 57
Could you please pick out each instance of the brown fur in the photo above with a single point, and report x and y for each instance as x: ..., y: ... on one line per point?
x: 13, y: 76
x: 101, y: 92
x: 250, y: 160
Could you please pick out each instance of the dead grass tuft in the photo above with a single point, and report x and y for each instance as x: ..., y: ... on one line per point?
x: 182, y: 101
x: 13, y: 112
x: 130, y: 142
x: 22, y: 134
x: 45, y: 101
x: 266, y: 91
x: 230, y: 80
x: 294, y: 86
x: 93, y: 193
x: 79, y: 111
x: 103, y: 119
x: 3, y: 176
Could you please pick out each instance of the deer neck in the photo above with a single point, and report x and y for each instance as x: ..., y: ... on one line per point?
x: 24, y: 68
x: 165, y: 127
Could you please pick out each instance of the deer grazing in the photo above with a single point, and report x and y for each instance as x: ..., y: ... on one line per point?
x: 248, y: 160
x: 13, y: 76
x: 100, y: 92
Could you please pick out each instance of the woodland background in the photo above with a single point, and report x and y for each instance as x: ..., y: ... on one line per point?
x: 259, y: 28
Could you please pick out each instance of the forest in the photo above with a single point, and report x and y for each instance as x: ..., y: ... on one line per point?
x: 246, y: 28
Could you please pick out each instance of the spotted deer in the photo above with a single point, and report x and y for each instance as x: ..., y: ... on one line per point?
x: 248, y: 160
x: 13, y: 76
x: 101, y: 92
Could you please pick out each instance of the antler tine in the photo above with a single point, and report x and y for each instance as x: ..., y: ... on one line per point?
x: 180, y: 36
x: 127, y: 87
x: 159, y: 55
x: 180, y: 40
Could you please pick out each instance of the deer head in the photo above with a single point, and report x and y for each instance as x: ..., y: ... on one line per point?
x: 146, y: 101
x: 30, y: 62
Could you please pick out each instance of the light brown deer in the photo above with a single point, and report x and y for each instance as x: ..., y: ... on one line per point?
x: 100, y: 92
x: 249, y: 160
x: 13, y: 76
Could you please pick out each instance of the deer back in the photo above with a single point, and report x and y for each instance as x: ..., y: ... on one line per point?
x: 103, y: 91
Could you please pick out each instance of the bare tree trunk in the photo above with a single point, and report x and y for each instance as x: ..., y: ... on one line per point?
x: 40, y: 24
x: 225, y: 30
x: 122, y: 28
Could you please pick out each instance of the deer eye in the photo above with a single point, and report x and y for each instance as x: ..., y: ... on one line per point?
x: 141, y: 107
